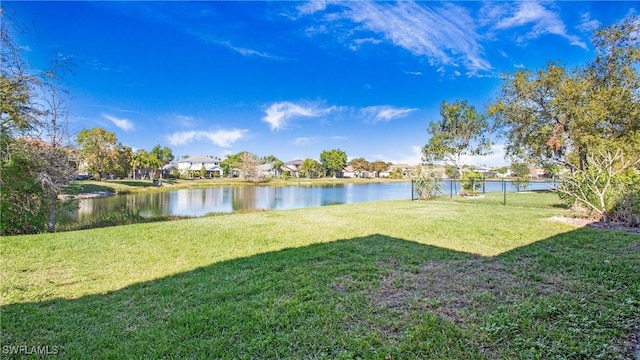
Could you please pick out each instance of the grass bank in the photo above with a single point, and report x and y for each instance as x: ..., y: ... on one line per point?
x: 395, y: 279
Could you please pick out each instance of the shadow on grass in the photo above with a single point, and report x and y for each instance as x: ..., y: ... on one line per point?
x: 374, y: 297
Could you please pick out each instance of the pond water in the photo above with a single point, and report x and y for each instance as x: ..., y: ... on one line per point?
x: 199, y: 202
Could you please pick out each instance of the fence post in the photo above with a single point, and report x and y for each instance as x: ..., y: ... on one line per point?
x: 451, y: 190
x: 504, y: 192
x: 412, y: 189
x: 484, y: 181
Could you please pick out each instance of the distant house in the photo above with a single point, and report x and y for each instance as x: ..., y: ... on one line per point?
x: 193, y: 165
x: 168, y: 169
x: 293, y: 167
x: 407, y: 170
x: 349, y: 172
x: 267, y: 170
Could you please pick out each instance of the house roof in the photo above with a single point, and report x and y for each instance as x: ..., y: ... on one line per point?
x: 265, y: 167
x: 294, y: 162
x: 199, y: 159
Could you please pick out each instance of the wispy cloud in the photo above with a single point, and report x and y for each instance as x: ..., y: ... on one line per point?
x: 587, y: 24
x: 247, y: 52
x: 280, y: 113
x: 185, y: 121
x: 125, y: 124
x: 300, y: 141
x: 222, y: 138
x: 384, y: 113
x: 445, y: 34
x: 541, y: 20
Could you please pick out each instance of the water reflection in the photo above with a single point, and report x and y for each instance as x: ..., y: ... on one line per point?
x: 198, y: 202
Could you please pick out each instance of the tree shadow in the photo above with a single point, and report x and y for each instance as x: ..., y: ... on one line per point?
x: 369, y: 297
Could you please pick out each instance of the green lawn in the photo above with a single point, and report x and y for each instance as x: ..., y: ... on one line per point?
x: 399, y: 279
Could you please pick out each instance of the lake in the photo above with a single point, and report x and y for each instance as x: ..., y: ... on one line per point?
x: 199, y: 202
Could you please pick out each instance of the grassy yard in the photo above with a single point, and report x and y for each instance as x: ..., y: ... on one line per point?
x: 398, y: 279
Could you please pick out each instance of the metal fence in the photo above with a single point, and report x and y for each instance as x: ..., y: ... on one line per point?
x: 454, y: 188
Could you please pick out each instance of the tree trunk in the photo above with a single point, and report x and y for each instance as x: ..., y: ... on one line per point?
x: 52, y: 212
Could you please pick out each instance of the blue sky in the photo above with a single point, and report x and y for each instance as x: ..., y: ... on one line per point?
x: 294, y: 78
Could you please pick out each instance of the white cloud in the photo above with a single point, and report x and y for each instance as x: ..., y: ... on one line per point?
x: 303, y: 140
x: 185, y: 121
x: 542, y: 21
x: 587, y: 24
x: 280, y: 113
x: 385, y: 113
x: 125, y: 124
x: 312, y: 6
x: 444, y: 34
x: 222, y: 138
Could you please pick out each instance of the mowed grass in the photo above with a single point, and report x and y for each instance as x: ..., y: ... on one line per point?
x: 394, y: 279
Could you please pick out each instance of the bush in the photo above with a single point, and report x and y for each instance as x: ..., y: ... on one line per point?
x: 609, y: 188
x: 471, y: 182
x: 428, y: 185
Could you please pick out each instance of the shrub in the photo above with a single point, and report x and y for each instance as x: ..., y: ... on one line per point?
x: 471, y: 182
x: 428, y: 185
x: 608, y: 188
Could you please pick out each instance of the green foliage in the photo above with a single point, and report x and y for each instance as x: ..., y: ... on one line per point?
x: 396, y: 173
x: 100, y: 150
x: 460, y: 132
x: 608, y: 188
x: 333, y: 161
x: 203, y: 172
x: 311, y: 168
x: 451, y: 171
x: 582, y: 111
x: 521, y: 172
x: 379, y: 166
x: 471, y: 182
x: 360, y: 164
x: 428, y: 185
x: 23, y: 200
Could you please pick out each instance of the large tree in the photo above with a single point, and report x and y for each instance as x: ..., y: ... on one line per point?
x: 460, y: 132
x: 333, y: 161
x: 311, y: 168
x: 35, y: 157
x: 360, y: 165
x: 586, y: 119
x: 99, y: 150
x: 556, y: 115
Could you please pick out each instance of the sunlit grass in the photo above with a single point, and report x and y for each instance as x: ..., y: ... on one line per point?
x: 402, y: 279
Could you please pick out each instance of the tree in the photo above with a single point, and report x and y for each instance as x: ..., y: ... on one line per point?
x: 333, y: 161
x: 277, y: 166
x: 310, y: 168
x: 99, y: 150
x: 396, y: 173
x: 379, y: 166
x: 231, y: 163
x: 56, y: 156
x: 460, y: 132
x: 561, y: 116
x: 157, y: 158
x: 35, y: 158
x: 360, y: 165
x: 568, y: 117
x: 521, y: 171
x: 249, y: 166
